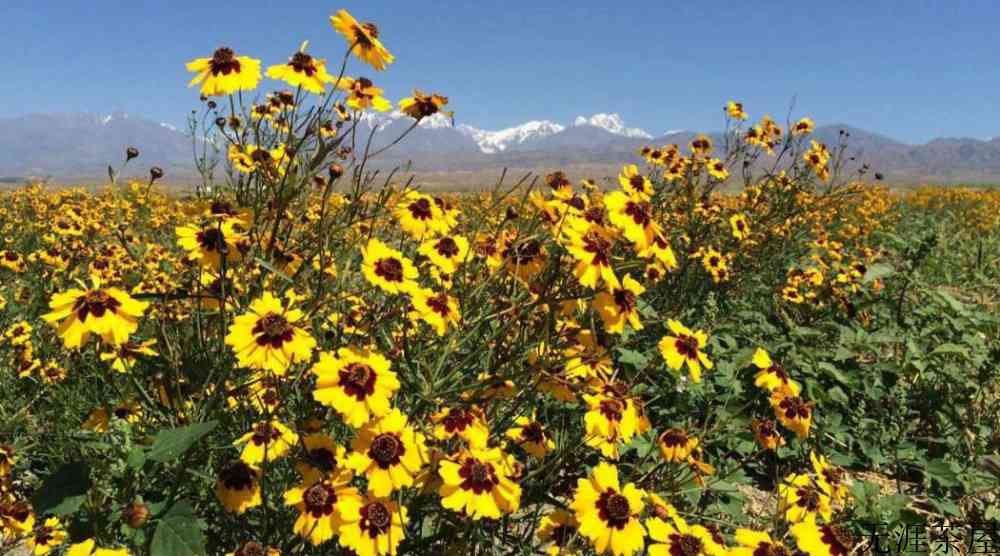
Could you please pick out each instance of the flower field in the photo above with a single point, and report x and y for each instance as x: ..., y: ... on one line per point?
x: 736, y: 348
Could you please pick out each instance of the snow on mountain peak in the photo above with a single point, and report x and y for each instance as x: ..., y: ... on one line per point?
x: 496, y: 141
x: 612, y: 123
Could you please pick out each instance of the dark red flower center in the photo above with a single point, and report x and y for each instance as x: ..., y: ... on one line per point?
x: 272, y: 329
x: 358, y: 380
x: 477, y: 476
x: 95, y: 302
x: 673, y: 438
x: 447, y: 247
x: 303, y: 63
x: 625, y: 300
x: 613, y: 509
x: 837, y: 538
x: 641, y: 213
x: 224, y: 61
x: 687, y: 346
x: 238, y: 476
x: 685, y: 545
x: 421, y: 209
x: 319, y: 499
x: 390, y: 269
x: 375, y: 519
x: 386, y: 450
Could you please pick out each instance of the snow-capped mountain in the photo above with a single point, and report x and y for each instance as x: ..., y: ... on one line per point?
x: 612, y: 123
x: 496, y: 141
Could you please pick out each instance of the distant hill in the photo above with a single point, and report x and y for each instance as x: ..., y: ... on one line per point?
x: 81, y: 145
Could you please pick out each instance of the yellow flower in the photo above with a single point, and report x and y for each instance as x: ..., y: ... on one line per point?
x: 620, y: 306
x: 753, y: 543
x: 302, y: 70
x: 389, y: 453
x: 825, y: 540
x: 225, y: 73
x: 107, y: 312
x: 266, y: 442
x: 829, y: 478
x: 268, y: 338
x: 420, y: 106
x: 16, y: 518
x: 387, y: 268
x: 124, y: 357
x: 206, y: 244
x: 793, y: 412
x: 372, y: 527
x: 7, y: 459
x: 608, y: 514
x: 439, y: 310
x: 675, y: 445
x: 735, y: 110
x: 741, y: 229
x: 446, y: 252
x: 529, y: 434
x: 46, y: 537
x: 321, y: 500
x: 363, y: 40
x: 468, y: 423
x: 558, y: 528
x: 322, y: 455
x: 803, y: 127
x: 364, y: 94
x: 680, y: 538
x: 635, y: 183
x: 633, y: 215
x: 357, y: 383
x: 479, y: 483
x: 771, y: 375
x: 609, y: 420
x: 87, y: 548
x: 685, y: 347
x: 591, y: 246
x: 717, y: 169
x: 800, y: 499
x: 419, y: 216
x: 238, y: 487
x: 766, y: 433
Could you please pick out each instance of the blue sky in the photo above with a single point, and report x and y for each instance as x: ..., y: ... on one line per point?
x: 909, y: 69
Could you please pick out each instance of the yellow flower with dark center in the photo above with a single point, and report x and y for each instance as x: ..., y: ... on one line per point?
x: 387, y: 268
x: 125, y: 356
x: 804, y: 126
x: 792, y: 411
x: 321, y: 500
x: 717, y: 169
x: 419, y: 216
x: 800, y: 499
x: 660, y: 250
x: 421, y: 106
x: 792, y: 294
x: 523, y: 258
x: 823, y: 540
x: 620, y: 305
x: 446, y: 252
x: 268, y: 337
x: 531, y: 435
x: 557, y: 529
x: 685, y: 347
x: 831, y: 479
x: 676, y: 537
x: 735, y: 110
x: 322, y: 455
x: 771, y: 375
x: 741, y: 229
x: 225, y: 73
x: 478, y: 482
x: 757, y: 543
x: 591, y: 246
x: 12, y: 261
x: 238, y: 487
x: 609, y: 514
x: 439, y: 310
x: 610, y: 420
x: 766, y: 433
x: 363, y: 40
x: 701, y: 146
x: 45, y: 537
x: 468, y: 423
x: 635, y: 183
x: 16, y: 518
x: 633, y: 215
x: 675, y: 445
x: 7, y: 459
x: 267, y: 441
x: 207, y: 244
x: 364, y: 94
x: 389, y: 453
x: 302, y: 70
x: 372, y: 526
x: 107, y: 312
x: 358, y: 383
x: 89, y: 548
x: 559, y: 184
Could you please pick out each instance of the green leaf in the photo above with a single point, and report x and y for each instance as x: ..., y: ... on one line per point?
x: 941, y: 471
x: 179, y: 533
x: 168, y: 444
x: 633, y: 358
x: 951, y: 348
x: 878, y: 270
x: 63, y: 491
x: 136, y: 457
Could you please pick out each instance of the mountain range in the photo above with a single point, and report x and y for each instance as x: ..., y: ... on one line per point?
x: 81, y: 145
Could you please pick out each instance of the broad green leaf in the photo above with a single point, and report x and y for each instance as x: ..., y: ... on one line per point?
x: 179, y: 533
x: 878, y: 270
x: 63, y: 491
x: 168, y: 444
